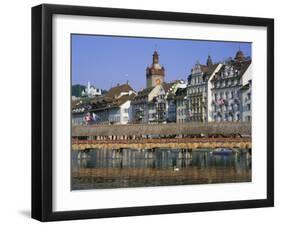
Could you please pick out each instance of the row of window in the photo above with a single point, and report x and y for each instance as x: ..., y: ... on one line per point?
x: 194, y: 101
x: 181, y: 112
x: 114, y: 118
x: 226, y: 117
x: 196, y: 90
x: 191, y: 111
x: 197, y: 80
x: 225, y: 95
x: 117, y: 118
x: 77, y: 121
x: 221, y: 84
x: 232, y: 107
x: 180, y: 102
x: 229, y: 72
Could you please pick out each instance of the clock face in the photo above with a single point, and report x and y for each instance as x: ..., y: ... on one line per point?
x: 158, y: 81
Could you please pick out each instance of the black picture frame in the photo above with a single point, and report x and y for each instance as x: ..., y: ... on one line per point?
x: 42, y: 111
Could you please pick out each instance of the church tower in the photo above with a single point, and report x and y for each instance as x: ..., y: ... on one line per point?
x: 155, y: 73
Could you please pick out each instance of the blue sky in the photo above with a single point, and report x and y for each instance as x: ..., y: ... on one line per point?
x: 108, y: 60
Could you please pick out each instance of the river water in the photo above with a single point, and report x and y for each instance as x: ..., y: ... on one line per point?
x: 99, y: 169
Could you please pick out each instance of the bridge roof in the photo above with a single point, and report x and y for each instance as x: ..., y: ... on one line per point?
x: 163, y: 129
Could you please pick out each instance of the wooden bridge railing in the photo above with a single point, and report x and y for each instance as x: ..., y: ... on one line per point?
x: 184, y: 143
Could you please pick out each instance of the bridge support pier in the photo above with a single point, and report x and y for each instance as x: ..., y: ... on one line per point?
x: 117, y: 153
x: 145, y: 155
x: 83, y: 154
x: 249, y: 153
x: 188, y: 153
x: 149, y: 153
x: 181, y: 153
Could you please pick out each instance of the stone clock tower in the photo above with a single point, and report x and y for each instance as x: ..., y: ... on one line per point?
x: 155, y: 73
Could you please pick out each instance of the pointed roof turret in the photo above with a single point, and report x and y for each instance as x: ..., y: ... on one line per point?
x: 209, y: 61
x: 239, y: 56
x: 155, y: 57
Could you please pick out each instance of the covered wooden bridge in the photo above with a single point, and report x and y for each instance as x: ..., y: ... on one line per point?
x: 172, y: 135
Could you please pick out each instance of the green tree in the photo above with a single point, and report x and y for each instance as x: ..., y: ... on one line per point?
x: 77, y: 90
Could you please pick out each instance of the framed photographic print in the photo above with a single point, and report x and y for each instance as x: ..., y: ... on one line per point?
x: 145, y: 112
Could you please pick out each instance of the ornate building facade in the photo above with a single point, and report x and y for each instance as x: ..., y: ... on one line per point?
x: 198, y: 98
x: 227, y: 87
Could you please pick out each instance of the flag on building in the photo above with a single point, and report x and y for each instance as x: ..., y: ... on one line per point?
x: 88, y: 118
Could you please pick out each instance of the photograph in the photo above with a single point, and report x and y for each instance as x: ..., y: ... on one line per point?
x: 145, y: 112
x: 149, y: 111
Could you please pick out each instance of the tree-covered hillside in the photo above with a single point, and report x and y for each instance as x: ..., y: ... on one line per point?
x: 77, y: 90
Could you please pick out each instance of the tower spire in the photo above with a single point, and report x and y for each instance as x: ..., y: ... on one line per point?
x: 155, y: 57
x: 209, y: 61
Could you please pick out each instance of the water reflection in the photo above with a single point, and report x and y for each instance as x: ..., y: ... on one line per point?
x: 134, y: 168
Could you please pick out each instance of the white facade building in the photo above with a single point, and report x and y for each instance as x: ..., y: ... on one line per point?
x: 171, y: 100
x: 121, y: 114
x: 198, y: 91
x: 226, y: 89
x: 91, y: 91
x: 246, y: 97
x: 181, y: 110
x: 149, y: 106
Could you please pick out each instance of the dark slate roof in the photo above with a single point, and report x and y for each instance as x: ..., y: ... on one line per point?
x: 101, y: 103
x: 240, y: 66
x: 181, y: 92
x: 143, y: 93
x: 208, y: 69
x: 171, y: 95
x: 167, y: 86
x: 245, y: 87
x: 100, y: 99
